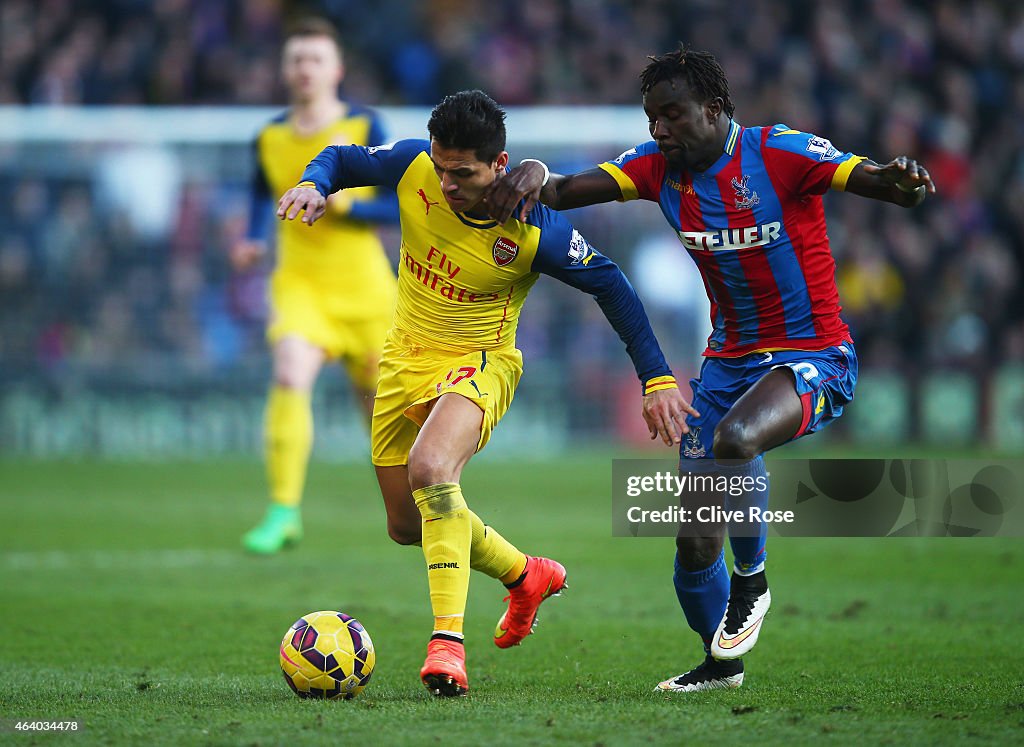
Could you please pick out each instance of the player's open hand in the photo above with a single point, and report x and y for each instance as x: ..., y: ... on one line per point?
x: 665, y: 413
x: 302, y: 200
x: 523, y: 183
x: 902, y: 172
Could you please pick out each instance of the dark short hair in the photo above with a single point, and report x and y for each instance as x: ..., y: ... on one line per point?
x: 704, y: 77
x: 469, y: 120
x: 314, y: 26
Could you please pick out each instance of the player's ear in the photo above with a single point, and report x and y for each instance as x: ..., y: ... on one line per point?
x: 501, y: 161
x: 713, y: 108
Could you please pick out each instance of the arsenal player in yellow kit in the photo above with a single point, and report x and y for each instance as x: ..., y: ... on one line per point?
x: 450, y: 365
x: 332, y: 292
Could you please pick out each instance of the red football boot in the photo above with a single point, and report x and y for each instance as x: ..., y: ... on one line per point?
x: 444, y: 671
x: 544, y: 578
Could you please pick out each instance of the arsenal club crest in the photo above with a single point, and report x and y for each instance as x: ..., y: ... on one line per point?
x: 504, y: 251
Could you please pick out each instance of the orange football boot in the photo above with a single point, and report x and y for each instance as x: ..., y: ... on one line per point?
x: 444, y: 671
x: 544, y: 578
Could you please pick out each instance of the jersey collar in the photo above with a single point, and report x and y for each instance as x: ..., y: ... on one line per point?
x: 482, y: 223
x: 732, y: 140
x: 476, y: 222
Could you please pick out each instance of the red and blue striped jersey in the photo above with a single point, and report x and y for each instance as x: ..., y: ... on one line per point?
x: 755, y: 226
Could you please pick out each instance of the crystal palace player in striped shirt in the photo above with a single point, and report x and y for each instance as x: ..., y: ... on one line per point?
x: 746, y: 205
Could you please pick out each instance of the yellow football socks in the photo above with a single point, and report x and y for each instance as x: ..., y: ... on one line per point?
x: 288, y: 433
x: 493, y: 554
x: 447, y: 537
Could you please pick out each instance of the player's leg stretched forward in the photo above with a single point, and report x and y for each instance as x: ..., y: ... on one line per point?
x: 727, y: 613
x: 424, y: 503
x: 288, y: 440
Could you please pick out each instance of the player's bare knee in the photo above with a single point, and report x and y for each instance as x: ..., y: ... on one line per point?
x: 735, y: 440
x: 285, y: 378
x: 427, y: 467
x: 296, y: 365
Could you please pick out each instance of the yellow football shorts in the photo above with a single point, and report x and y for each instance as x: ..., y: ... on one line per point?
x: 302, y: 309
x: 411, y: 377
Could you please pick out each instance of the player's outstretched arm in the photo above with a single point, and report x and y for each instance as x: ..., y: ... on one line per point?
x: 344, y: 166
x: 530, y: 182
x: 902, y: 181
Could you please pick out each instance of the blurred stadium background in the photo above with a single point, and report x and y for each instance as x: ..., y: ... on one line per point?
x: 125, y: 129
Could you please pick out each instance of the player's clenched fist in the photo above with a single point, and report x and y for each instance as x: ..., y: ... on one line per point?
x: 299, y: 199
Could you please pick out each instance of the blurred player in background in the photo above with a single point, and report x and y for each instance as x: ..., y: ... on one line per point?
x: 450, y: 365
x: 332, y: 291
x: 780, y: 364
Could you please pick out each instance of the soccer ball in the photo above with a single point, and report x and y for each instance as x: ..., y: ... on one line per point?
x: 327, y: 655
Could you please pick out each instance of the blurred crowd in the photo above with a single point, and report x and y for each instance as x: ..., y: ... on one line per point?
x: 940, y: 81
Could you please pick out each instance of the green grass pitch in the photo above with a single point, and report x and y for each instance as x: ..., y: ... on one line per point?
x: 127, y: 604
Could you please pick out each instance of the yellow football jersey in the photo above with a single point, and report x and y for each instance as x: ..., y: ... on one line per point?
x: 340, y: 255
x: 462, y: 281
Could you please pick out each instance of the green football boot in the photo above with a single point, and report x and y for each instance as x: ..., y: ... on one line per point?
x: 281, y: 527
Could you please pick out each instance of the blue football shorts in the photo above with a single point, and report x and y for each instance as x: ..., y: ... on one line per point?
x: 824, y: 379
